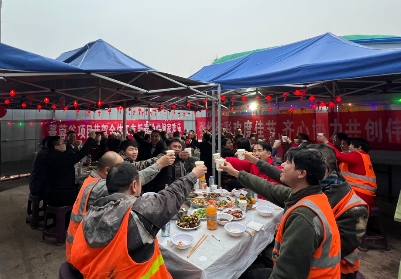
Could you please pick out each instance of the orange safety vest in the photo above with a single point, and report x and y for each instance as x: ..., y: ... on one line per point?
x: 78, y: 212
x: 365, y: 184
x: 113, y: 260
x: 350, y: 263
x: 326, y: 259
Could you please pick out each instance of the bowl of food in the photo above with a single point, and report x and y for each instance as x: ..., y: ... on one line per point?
x: 182, y: 240
x: 222, y: 192
x: 199, y: 203
x: 234, y: 229
x: 212, y: 196
x: 224, y: 218
x: 200, y: 213
x: 265, y: 211
x: 188, y: 222
x: 237, y: 193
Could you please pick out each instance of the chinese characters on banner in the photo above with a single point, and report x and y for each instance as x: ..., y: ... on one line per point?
x: 82, y: 127
x: 381, y: 128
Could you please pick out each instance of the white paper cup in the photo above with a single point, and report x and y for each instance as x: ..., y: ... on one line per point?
x: 189, y: 150
x: 320, y: 134
x: 242, y: 204
x: 304, y: 140
x: 219, y: 162
x: 276, y: 141
x: 170, y: 152
x: 284, y: 138
x: 213, y: 188
x: 216, y: 155
x: 296, y: 140
x: 199, y: 163
x: 240, y: 153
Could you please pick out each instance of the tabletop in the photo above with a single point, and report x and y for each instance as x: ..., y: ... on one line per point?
x: 227, y: 258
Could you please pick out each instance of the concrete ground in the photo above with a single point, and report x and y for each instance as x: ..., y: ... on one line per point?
x: 22, y: 255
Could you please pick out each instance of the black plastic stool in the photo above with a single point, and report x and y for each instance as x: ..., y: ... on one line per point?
x: 374, y: 224
x: 60, y: 231
x: 33, y: 210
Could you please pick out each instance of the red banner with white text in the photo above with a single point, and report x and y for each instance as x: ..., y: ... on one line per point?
x: 381, y: 128
x: 82, y: 127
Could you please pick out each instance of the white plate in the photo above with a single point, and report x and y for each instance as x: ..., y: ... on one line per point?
x: 200, y: 191
x: 187, y: 229
x: 197, y: 216
x: 222, y: 192
x: 235, y: 219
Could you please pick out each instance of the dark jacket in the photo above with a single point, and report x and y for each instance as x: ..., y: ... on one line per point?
x: 61, y: 186
x: 205, y: 153
x: 226, y: 152
x: 38, y: 178
x: 351, y: 224
x: 103, y: 220
x: 303, y: 228
x: 167, y: 175
x: 145, y: 148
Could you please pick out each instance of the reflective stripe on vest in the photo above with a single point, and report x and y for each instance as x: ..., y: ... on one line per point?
x: 326, y: 261
x: 154, y: 268
x: 362, y: 186
x: 77, y: 218
x: 69, y: 238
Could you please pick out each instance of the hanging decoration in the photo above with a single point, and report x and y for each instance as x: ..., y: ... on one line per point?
x: 291, y: 110
x: 223, y: 99
x: 75, y: 104
x: 7, y: 102
x: 139, y: 110
x: 197, y: 104
x: 99, y: 112
x: 303, y: 94
x: 240, y: 109
x: 232, y: 109
x: 271, y: 110
x: 146, y: 111
x: 23, y: 105
x: 77, y: 110
x: 243, y: 99
x: 173, y: 106
x: 46, y: 100
x: 185, y: 113
x: 154, y: 110
x: 257, y: 98
x: 39, y: 107
x: 173, y: 112
x: 206, y: 109
x: 338, y: 99
x: 88, y: 111
x: 109, y: 111
x: 297, y: 92
x: 205, y: 102
x: 314, y: 107
x: 189, y: 105
x: 12, y: 93
x: 99, y: 103
x: 285, y: 95
x: 54, y: 107
x: 311, y: 98
x: 65, y: 108
x: 268, y: 99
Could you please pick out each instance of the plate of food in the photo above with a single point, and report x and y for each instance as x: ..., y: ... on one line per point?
x: 223, y: 204
x: 251, y: 202
x: 200, y: 213
x: 199, y: 203
x: 212, y: 196
x: 222, y: 192
x: 188, y: 222
x: 238, y: 214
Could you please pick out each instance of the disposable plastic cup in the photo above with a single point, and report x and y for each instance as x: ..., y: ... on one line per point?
x: 199, y: 163
x: 219, y: 162
x: 240, y: 153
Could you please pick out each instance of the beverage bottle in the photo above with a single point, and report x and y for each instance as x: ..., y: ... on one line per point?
x: 211, y: 217
x: 202, y: 182
x: 211, y: 180
x: 89, y: 159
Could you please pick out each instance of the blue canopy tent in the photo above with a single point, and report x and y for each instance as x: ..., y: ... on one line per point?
x: 97, y: 71
x: 311, y: 63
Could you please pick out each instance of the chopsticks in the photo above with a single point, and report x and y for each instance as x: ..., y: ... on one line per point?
x: 197, y: 245
x: 248, y: 231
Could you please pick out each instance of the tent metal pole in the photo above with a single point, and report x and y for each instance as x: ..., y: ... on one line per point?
x: 178, y: 88
x: 219, y: 125
x: 179, y: 83
x: 213, y: 130
x: 124, y: 121
x: 119, y: 82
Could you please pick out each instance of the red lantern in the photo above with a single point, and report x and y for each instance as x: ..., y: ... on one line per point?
x: 88, y: 111
x: 271, y: 110
x: 338, y: 99
x: 173, y: 112
x: 7, y: 102
x: 232, y: 109
x: 205, y: 101
x: 291, y: 110
x: 46, y: 100
x: 240, y: 108
x: 311, y: 98
x: 185, y: 113
x: 39, y: 107
x: 314, y: 106
x: 206, y: 109
x: 99, y: 112
x: 75, y: 103
x: 269, y: 98
x: 54, y: 107
x: 77, y: 110
x: 109, y: 111
x: 297, y: 92
x: 323, y: 104
x: 243, y: 99
x: 65, y: 108
x: 154, y: 110
x: 285, y: 95
x: 303, y: 94
x: 139, y: 109
x: 223, y: 98
x: 174, y: 106
x: 257, y: 98
x: 188, y: 105
x: 23, y: 105
x: 12, y: 93
x: 99, y: 103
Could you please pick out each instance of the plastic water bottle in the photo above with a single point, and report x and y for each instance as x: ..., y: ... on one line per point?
x: 166, y: 230
x: 211, y: 180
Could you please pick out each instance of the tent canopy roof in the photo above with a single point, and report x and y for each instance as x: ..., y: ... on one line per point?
x: 98, y: 71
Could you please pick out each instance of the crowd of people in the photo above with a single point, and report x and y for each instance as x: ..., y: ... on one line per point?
x: 325, y: 189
